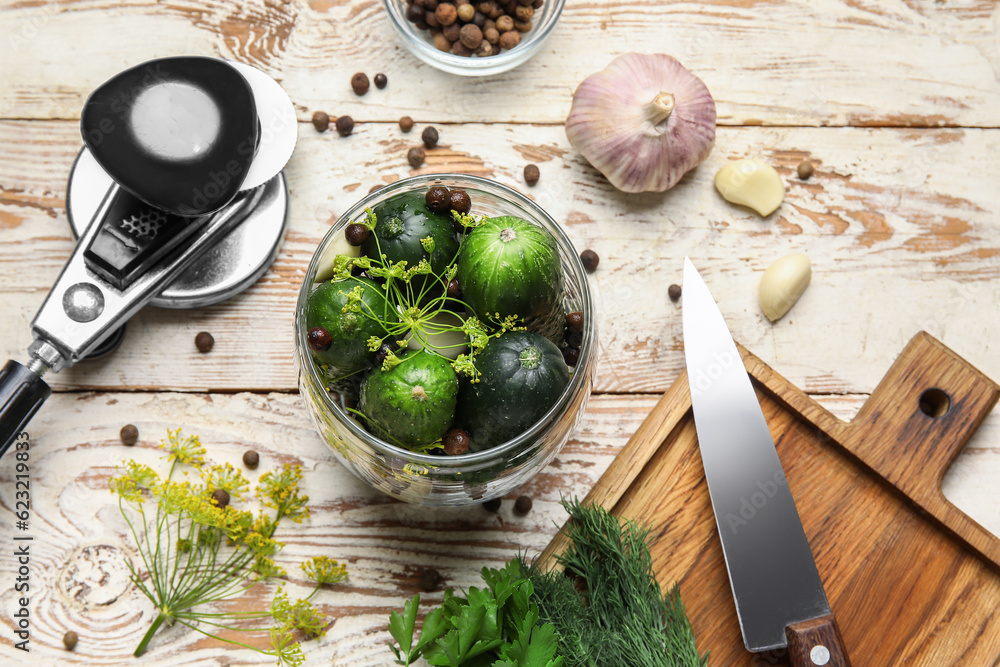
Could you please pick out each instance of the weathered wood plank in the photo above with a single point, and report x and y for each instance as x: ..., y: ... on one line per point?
x: 900, y: 226
x: 79, y: 580
x: 797, y: 62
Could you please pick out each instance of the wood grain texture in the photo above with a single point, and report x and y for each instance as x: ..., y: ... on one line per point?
x: 801, y: 62
x: 906, y: 589
x: 900, y: 226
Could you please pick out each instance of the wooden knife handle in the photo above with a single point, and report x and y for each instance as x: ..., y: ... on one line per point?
x: 816, y: 643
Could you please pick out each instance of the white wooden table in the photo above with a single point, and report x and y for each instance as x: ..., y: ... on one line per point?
x: 897, y: 103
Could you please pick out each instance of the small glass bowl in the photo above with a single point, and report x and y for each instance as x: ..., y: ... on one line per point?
x: 470, y: 478
x: 421, y: 44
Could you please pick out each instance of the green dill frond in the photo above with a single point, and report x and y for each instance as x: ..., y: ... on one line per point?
x: 324, y: 570
x: 185, y: 450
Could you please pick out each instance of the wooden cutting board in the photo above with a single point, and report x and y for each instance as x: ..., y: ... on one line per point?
x: 913, y: 580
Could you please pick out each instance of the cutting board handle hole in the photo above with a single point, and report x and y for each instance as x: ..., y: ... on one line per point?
x: 935, y: 403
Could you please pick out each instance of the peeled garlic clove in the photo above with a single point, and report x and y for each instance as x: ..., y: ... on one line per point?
x: 448, y: 343
x: 643, y: 122
x: 338, y: 246
x: 751, y: 183
x: 783, y: 283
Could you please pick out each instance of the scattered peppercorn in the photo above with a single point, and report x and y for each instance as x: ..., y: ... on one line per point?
x: 454, y: 289
x: 204, y: 341
x: 319, y: 339
x: 359, y: 82
x: 345, y: 125
x: 70, y: 639
x: 129, y: 434
x: 571, y: 355
x: 381, y: 80
x: 455, y: 442
x: 460, y: 201
x: 574, y: 320
x: 429, y: 136
x: 415, y: 156
x: 492, y: 505
x: 321, y: 121
x: 522, y: 505
x: 674, y: 292
x: 251, y: 459
x: 471, y: 35
x: 438, y: 199
x: 510, y: 39
x: 406, y: 123
x: 531, y: 174
x: 356, y: 233
x: 805, y: 170
x: 430, y: 579
x: 221, y: 498
x: 446, y: 13
x: 590, y: 260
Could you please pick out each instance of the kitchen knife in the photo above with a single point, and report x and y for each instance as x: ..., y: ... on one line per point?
x: 780, y: 601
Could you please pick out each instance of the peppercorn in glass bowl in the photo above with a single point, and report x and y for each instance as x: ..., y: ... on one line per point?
x: 436, y: 478
x: 532, y: 26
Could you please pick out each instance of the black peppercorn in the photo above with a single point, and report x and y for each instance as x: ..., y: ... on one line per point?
x: 356, y: 233
x: 590, y: 260
x: 430, y: 579
x: 438, y: 199
x: 531, y: 174
x: 674, y: 292
x: 321, y: 121
x: 454, y: 289
x: 359, y: 82
x: 460, y: 201
x: 574, y: 320
x: 220, y: 497
x: 522, y: 505
x: 251, y: 459
x: 129, y: 434
x: 204, y: 341
x: 345, y: 125
x: 406, y: 123
x: 571, y: 355
x: 429, y: 136
x: 492, y: 505
x: 319, y: 339
x: 415, y: 156
x: 381, y: 80
x: 455, y: 442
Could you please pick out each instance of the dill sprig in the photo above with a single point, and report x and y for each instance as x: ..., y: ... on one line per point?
x: 621, y: 617
x: 195, y: 552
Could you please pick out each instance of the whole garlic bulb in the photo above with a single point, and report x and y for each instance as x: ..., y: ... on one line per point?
x: 643, y: 122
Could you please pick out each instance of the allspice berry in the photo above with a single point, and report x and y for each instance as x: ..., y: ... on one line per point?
x: 345, y: 125
x: 251, y: 459
x: 485, y: 49
x: 805, y: 170
x: 505, y: 23
x: 571, y: 355
x: 574, y: 320
x: 406, y: 123
x: 430, y: 579
x: 429, y: 136
x: 492, y: 505
x: 221, y: 498
x: 460, y: 49
x: 438, y: 199
x: 381, y: 80
x: 204, y: 341
x: 471, y: 35
x: 319, y: 339
x: 509, y: 39
x: 452, y: 33
x: 356, y: 233
x: 590, y: 260
x: 491, y: 35
x: 455, y: 442
x: 359, y: 82
x: 415, y: 156
x: 466, y: 13
x: 321, y: 121
x: 531, y: 174
x: 524, y: 13
x: 523, y: 26
x: 522, y: 505
x: 674, y: 292
x: 446, y: 13
x: 129, y: 434
x: 459, y: 201
x: 441, y: 43
x: 70, y: 639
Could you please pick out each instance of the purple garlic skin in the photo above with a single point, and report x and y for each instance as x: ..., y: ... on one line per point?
x: 644, y: 121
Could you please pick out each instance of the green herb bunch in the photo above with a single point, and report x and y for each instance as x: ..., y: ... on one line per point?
x: 195, y: 552
x: 610, y: 610
x: 419, y: 296
x: 496, y: 626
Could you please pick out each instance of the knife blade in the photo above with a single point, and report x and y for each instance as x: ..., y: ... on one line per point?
x: 780, y: 600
